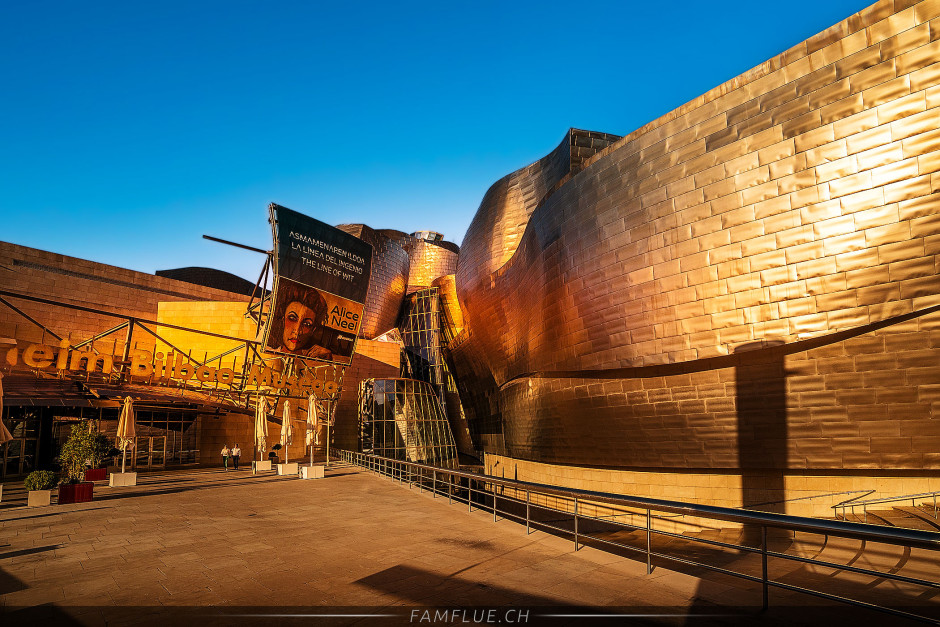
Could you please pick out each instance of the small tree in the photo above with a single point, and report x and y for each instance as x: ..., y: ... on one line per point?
x: 77, y: 451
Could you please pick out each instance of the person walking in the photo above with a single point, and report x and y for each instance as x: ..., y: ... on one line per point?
x: 225, y: 454
x: 236, y: 453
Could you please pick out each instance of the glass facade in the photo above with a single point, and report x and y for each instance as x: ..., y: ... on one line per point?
x: 421, y: 334
x: 20, y: 456
x: 165, y: 436
x: 404, y: 419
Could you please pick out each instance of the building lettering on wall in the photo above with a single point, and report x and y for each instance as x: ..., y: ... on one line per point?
x: 156, y: 368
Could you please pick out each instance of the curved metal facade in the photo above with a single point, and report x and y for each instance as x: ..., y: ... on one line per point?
x: 496, y: 229
x: 401, y: 264
x: 390, y: 268
x: 750, y: 281
x: 429, y: 260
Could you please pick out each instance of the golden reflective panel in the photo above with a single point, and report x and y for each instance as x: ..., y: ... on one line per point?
x: 625, y: 305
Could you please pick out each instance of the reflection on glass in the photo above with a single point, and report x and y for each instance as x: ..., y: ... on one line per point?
x: 14, y: 454
x: 403, y: 419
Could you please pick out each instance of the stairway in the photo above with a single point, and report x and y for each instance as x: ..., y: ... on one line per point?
x: 908, y: 517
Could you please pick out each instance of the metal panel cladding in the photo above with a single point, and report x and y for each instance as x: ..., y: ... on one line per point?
x: 390, y: 268
x: 749, y: 281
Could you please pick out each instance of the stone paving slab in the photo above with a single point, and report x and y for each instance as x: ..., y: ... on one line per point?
x: 201, y: 545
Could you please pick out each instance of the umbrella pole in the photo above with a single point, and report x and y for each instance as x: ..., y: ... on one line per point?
x: 327, y: 444
x: 123, y: 458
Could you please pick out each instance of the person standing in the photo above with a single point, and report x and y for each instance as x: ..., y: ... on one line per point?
x: 225, y: 455
x: 236, y: 453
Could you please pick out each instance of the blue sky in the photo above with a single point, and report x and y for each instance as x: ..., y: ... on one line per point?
x: 129, y: 129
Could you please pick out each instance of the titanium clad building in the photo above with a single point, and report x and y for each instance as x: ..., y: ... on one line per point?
x: 738, y: 302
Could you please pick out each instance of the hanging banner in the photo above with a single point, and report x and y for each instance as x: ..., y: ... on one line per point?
x: 320, y: 285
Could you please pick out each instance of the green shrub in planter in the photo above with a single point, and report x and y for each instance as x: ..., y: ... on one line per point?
x: 40, y: 480
x: 77, y: 451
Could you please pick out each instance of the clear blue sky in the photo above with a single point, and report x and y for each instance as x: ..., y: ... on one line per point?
x: 129, y: 129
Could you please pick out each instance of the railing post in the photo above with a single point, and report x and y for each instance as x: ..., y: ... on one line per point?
x: 649, y: 553
x: 763, y: 559
x: 434, y: 483
x: 494, y: 502
x: 450, y: 489
x: 469, y: 497
x: 575, y: 523
x: 527, y: 512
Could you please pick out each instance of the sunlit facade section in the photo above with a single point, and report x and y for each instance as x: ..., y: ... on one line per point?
x: 748, y: 282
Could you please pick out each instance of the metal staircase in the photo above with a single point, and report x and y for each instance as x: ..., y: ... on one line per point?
x: 924, y: 516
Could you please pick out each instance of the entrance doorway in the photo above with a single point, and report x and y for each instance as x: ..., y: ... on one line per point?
x: 151, y: 452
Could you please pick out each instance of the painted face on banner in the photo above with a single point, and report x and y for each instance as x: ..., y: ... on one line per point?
x: 299, y: 323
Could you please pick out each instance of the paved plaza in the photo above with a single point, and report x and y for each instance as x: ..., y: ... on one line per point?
x: 210, y: 547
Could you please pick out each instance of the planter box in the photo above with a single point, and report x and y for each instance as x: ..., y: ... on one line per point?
x: 76, y: 492
x: 122, y: 479
x: 288, y: 469
x: 311, y: 472
x: 96, y: 474
x: 259, y: 466
x: 38, y: 498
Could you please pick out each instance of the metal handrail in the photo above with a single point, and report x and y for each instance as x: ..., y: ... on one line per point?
x: 889, y: 499
x: 815, y: 496
x: 459, y: 486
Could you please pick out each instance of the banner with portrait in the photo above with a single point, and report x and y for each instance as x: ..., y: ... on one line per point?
x: 321, y: 277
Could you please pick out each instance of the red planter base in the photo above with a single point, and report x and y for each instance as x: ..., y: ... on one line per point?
x: 76, y: 492
x: 96, y: 474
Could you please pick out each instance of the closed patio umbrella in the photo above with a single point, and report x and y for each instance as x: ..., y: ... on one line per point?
x: 329, y: 423
x: 5, y: 435
x: 287, y: 430
x: 126, y: 431
x: 312, y: 439
x: 261, y: 425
